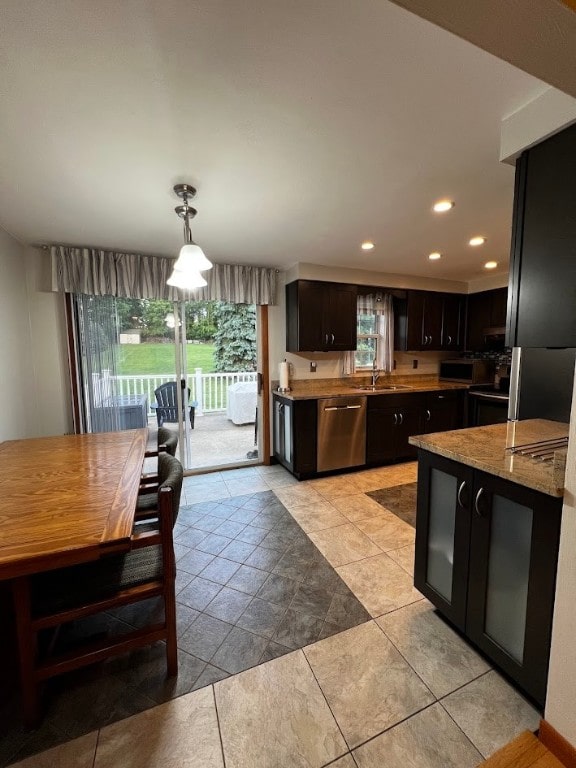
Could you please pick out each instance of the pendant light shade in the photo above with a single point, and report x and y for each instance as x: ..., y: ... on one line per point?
x: 187, y: 281
x: 192, y: 257
x: 191, y: 260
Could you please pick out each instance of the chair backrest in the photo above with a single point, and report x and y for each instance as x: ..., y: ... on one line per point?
x: 169, y: 439
x: 166, y: 400
x: 170, y: 475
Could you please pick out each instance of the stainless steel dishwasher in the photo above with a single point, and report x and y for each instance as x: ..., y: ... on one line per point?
x: 341, y: 433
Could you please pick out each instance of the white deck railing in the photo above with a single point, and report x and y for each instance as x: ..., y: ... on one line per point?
x: 208, y: 390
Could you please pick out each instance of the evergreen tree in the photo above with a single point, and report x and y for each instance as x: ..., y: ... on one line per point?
x: 235, y: 338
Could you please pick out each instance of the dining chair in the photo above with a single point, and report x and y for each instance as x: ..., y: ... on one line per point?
x: 46, y: 601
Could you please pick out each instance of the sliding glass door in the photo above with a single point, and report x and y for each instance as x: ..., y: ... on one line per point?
x: 135, y: 357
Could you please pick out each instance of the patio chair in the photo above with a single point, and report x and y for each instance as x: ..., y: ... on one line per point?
x: 52, y: 599
x: 166, y: 404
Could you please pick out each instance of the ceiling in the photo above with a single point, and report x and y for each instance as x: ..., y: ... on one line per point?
x: 307, y: 127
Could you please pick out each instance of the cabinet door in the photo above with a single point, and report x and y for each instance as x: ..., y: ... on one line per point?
x: 543, y: 267
x: 381, y: 424
x: 340, y: 317
x: 304, y: 313
x: 513, y: 556
x: 432, y: 321
x: 408, y: 423
x: 479, y: 315
x: 451, y: 322
x: 414, y: 338
x: 443, y: 412
x: 498, y: 307
x: 443, y: 534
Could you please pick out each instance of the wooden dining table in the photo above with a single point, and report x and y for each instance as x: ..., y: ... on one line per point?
x: 68, y: 499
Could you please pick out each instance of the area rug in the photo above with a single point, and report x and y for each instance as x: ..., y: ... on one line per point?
x: 400, y: 500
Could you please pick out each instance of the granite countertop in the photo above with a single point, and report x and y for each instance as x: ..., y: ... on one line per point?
x: 484, y: 448
x: 307, y: 389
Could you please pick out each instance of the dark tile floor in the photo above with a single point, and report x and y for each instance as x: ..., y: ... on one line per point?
x: 399, y: 499
x: 251, y: 586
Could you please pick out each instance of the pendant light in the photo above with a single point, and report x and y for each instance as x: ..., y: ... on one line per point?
x: 191, y: 260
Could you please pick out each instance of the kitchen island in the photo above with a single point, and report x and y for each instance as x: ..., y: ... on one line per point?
x: 487, y: 534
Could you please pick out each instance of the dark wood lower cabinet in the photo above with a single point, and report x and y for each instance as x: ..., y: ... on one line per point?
x: 486, y: 557
x: 295, y: 435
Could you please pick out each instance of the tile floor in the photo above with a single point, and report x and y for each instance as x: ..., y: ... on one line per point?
x: 401, y: 689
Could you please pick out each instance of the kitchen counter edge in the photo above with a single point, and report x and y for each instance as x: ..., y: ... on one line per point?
x: 485, y: 448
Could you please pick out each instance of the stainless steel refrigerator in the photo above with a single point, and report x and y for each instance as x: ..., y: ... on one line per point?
x: 541, y: 383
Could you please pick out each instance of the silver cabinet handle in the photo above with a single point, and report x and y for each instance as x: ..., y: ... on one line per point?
x: 425, y: 340
x: 460, y: 492
x: 430, y: 342
x: 440, y: 397
x: 401, y: 415
x: 326, y: 339
x: 332, y: 337
x: 477, y: 502
x: 449, y: 339
x: 428, y: 415
x: 395, y: 419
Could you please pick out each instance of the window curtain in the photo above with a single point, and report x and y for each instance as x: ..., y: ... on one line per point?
x: 96, y: 341
x: 381, y: 306
x: 96, y: 272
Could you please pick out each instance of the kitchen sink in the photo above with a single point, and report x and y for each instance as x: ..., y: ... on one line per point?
x: 376, y: 388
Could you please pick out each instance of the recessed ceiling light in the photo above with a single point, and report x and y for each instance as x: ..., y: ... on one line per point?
x: 367, y: 245
x: 443, y: 205
x: 435, y: 256
x: 491, y: 265
x: 479, y: 240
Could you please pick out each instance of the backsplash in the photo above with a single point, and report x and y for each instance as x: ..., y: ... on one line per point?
x: 329, y: 365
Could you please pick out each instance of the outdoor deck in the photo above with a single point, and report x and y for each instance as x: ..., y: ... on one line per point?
x: 215, y: 440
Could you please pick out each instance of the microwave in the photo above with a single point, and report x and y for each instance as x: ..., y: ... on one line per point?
x: 467, y: 371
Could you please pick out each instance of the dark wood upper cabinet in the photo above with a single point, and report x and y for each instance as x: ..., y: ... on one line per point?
x: 320, y: 317
x: 452, y: 321
x: 542, y: 305
x: 486, y: 310
x: 428, y: 320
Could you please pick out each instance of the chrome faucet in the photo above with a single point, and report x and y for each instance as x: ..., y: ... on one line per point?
x: 375, y: 373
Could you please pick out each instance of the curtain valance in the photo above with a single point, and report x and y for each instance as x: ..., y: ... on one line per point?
x: 98, y: 272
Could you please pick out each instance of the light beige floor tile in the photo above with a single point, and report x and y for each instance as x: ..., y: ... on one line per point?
x: 490, y: 712
x: 404, y: 557
x: 215, y: 492
x: 74, y: 754
x: 379, y: 584
x: 252, y: 484
x: 206, y: 478
x: 344, y: 762
x: 275, y: 715
x: 298, y: 495
x: 334, y: 487
x: 367, y: 683
x: 181, y: 732
x: 429, y: 739
x: 318, y: 516
x: 368, y: 480
x: 357, y: 506
x: 344, y: 544
x: 280, y: 481
x: 435, y: 651
x: 388, y: 531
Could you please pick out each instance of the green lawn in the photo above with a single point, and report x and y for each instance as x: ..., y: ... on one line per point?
x: 134, y: 359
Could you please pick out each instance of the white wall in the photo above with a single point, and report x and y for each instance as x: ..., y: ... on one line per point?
x: 561, y: 699
x: 34, y: 389
x: 49, y: 350
x: 18, y: 404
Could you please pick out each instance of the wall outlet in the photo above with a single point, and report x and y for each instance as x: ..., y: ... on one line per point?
x: 312, y: 367
x: 414, y: 363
